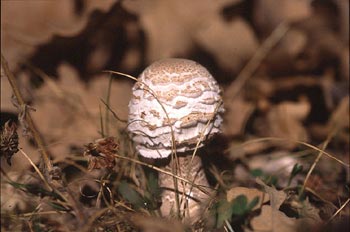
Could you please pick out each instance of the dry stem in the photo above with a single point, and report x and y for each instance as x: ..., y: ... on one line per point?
x: 256, y: 60
x: 37, y: 138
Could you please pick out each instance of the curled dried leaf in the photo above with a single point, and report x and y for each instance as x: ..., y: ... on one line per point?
x: 101, y: 153
x: 9, y: 140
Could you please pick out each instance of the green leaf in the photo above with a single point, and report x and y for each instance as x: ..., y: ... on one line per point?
x: 239, y: 206
x: 34, y: 189
x: 224, y: 212
x: 152, y: 185
x: 130, y: 194
x: 270, y: 180
x: 58, y: 206
x: 152, y: 195
x: 297, y: 169
x: 256, y: 172
x: 253, y: 203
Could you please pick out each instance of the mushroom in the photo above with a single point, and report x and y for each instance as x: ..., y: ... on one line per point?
x: 175, y: 107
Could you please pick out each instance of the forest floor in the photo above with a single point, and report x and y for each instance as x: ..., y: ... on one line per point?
x: 281, y: 162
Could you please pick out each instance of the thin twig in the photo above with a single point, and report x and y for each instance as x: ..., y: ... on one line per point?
x: 36, y: 169
x: 338, y: 211
x: 295, y: 141
x: 39, y: 213
x: 114, y: 113
x: 101, y: 122
x: 37, y: 138
x: 48, y: 186
x: 108, y: 96
x: 174, y: 160
x: 324, y: 146
x: 200, y: 187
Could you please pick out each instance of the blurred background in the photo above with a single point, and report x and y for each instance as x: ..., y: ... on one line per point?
x: 298, y: 52
x: 283, y: 66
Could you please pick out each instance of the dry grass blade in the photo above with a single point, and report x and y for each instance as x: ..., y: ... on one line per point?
x: 25, y: 215
x: 324, y: 146
x: 258, y: 57
x: 202, y: 188
x: 92, y: 218
x: 147, y: 88
x: 108, y: 95
x: 338, y: 211
x: 201, y: 137
x: 37, y: 137
x: 175, y: 166
x: 37, y: 170
x: 299, y: 142
x: 114, y: 113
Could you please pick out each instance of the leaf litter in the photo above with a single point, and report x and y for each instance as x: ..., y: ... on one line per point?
x: 284, y: 102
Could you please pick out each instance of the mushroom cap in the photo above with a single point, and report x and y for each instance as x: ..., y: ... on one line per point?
x: 176, y: 96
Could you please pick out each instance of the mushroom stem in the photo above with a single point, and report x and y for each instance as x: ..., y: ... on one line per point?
x: 192, y: 198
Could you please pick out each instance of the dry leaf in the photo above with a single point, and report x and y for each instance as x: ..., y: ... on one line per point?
x: 26, y: 24
x: 9, y: 141
x: 152, y: 224
x: 284, y: 57
x: 273, y: 220
x: 101, y: 153
x: 285, y: 121
x: 237, y: 114
x: 171, y: 25
x: 269, y: 13
x: 239, y: 150
x: 339, y: 121
x: 308, y: 211
x: 232, y: 43
x: 276, y: 197
x: 69, y: 112
x: 340, y: 116
x: 6, y: 96
x: 343, y: 7
x: 344, y: 64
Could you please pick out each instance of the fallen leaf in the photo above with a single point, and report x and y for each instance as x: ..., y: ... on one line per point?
x: 153, y: 224
x: 236, y: 116
x: 26, y: 24
x: 69, y: 111
x: 338, y: 122
x: 309, y: 211
x: 6, y: 96
x: 269, y: 13
x: 285, y: 121
x: 276, y: 197
x: 232, y: 43
x: 340, y: 117
x: 171, y: 26
x: 273, y: 220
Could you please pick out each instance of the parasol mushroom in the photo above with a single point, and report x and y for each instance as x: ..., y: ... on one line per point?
x: 175, y: 108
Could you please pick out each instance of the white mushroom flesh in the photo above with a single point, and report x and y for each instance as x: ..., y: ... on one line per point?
x: 176, y: 96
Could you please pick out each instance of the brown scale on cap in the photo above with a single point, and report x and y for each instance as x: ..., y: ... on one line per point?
x: 181, y: 69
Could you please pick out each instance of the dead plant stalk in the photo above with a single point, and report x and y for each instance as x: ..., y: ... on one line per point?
x: 36, y: 135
